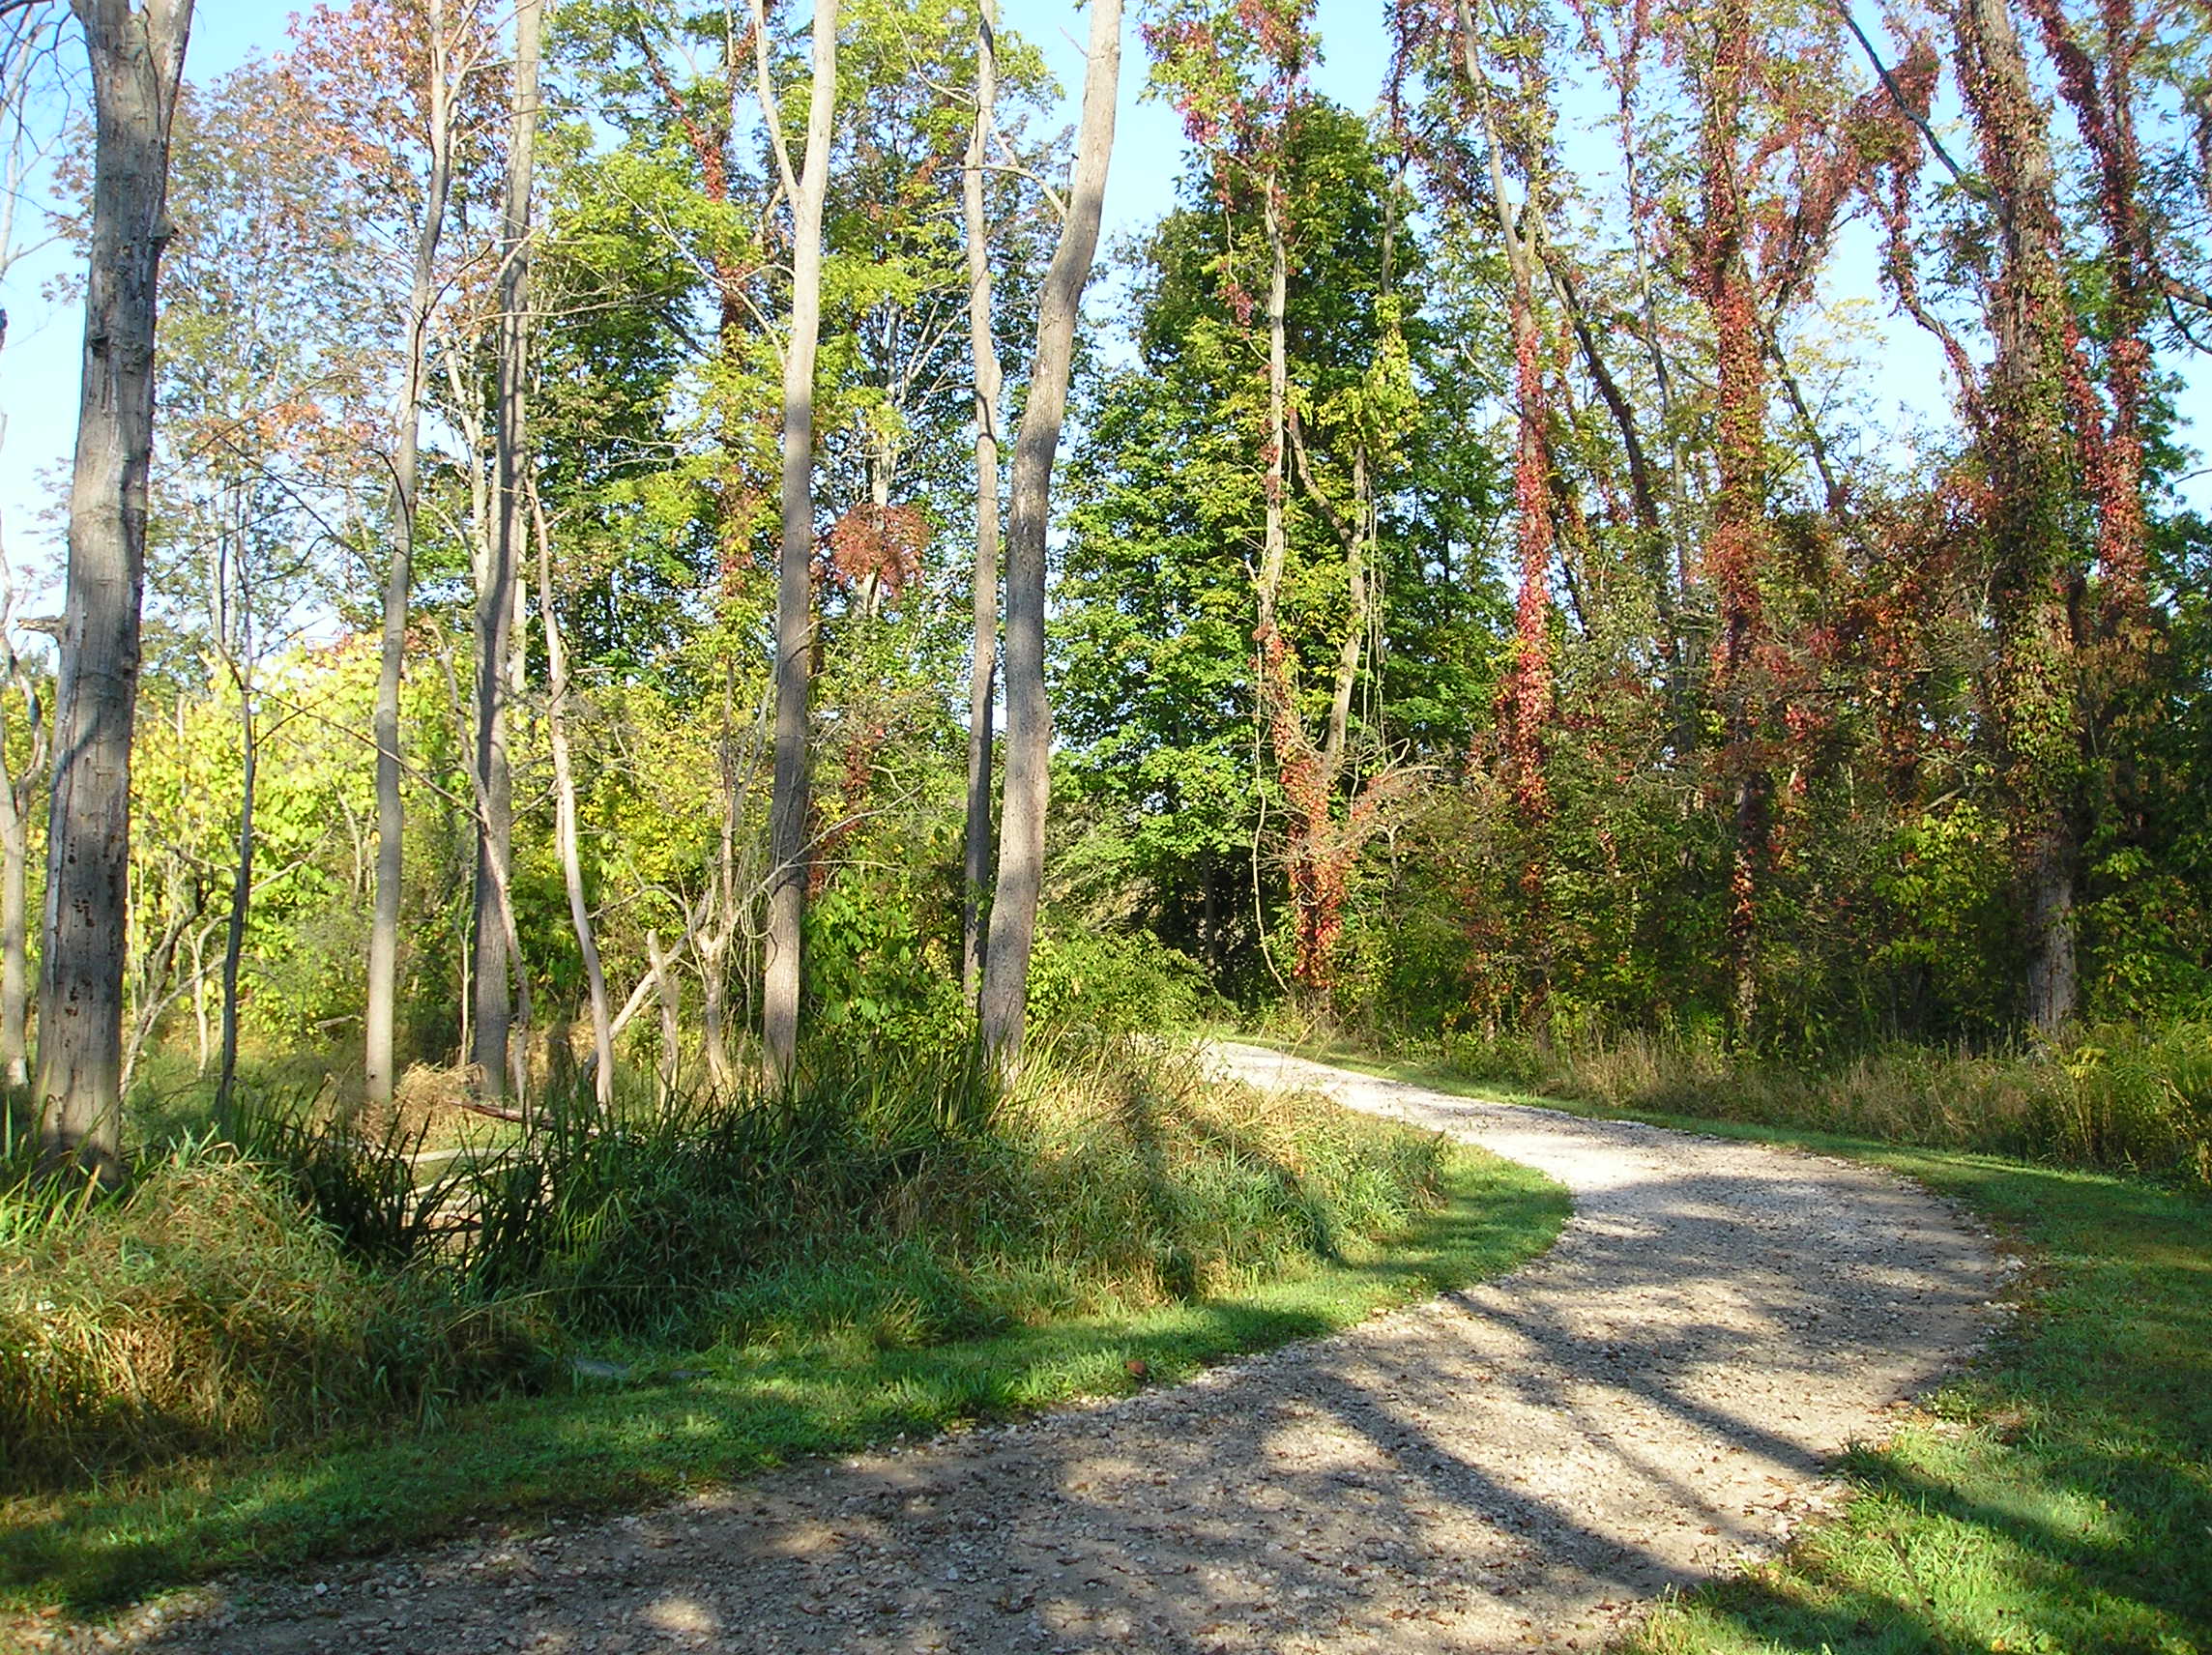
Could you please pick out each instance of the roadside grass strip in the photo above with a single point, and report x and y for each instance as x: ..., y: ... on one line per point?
x: 644, y: 1424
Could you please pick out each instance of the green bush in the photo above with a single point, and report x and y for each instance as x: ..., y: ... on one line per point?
x: 1113, y: 982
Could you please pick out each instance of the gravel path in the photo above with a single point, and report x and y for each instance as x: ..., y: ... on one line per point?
x: 1519, y: 1466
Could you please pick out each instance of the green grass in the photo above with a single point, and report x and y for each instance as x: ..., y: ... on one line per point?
x: 2056, y: 1499
x: 689, y: 1418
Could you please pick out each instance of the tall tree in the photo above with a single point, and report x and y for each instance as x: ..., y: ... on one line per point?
x: 1026, y: 789
x: 1524, y: 698
x: 137, y: 60
x: 982, y: 671
x: 2035, y: 690
x: 439, y: 70
x: 495, y: 945
x: 1735, y: 542
x: 805, y: 189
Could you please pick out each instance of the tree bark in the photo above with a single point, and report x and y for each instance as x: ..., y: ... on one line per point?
x: 380, y: 1019
x: 795, y: 574
x: 1028, y: 780
x: 496, y: 593
x: 983, y: 673
x: 234, y: 644
x: 137, y: 57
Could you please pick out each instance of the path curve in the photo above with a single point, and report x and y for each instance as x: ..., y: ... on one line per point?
x: 1520, y: 1464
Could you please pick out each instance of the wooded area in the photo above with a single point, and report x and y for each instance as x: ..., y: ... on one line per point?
x: 693, y: 700
x: 1475, y: 595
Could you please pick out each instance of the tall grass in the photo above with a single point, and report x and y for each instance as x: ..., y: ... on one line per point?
x: 310, y: 1276
x: 205, y: 1309
x: 2126, y: 1097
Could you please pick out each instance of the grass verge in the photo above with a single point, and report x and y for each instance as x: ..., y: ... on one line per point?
x: 685, y: 1419
x: 2057, y: 1498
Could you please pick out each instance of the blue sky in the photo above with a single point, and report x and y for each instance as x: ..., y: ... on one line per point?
x: 1900, y: 388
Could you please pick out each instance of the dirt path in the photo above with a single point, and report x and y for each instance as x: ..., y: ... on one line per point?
x: 1519, y: 1466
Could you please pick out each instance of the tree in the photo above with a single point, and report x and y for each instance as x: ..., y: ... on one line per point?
x: 137, y: 60
x: 442, y: 65
x: 1027, y: 788
x: 496, y: 944
x: 795, y: 570
x: 2035, y: 692
x: 983, y: 670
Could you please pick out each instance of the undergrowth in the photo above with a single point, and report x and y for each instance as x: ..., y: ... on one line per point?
x: 308, y: 1277
x: 877, y: 1253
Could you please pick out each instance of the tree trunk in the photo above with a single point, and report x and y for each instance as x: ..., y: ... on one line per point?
x: 1525, y: 697
x: 983, y: 670
x: 564, y: 818
x: 496, y: 593
x: 1735, y: 543
x: 379, y: 1021
x: 138, y: 56
x: 2034, y: 693
x: 17, y: 792
x: 667, y: 991
x: 795, y: 575
x: 241, y: 903
x: 1029, y: 717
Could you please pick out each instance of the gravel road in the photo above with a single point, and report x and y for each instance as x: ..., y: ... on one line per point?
x: 1522, y: 1465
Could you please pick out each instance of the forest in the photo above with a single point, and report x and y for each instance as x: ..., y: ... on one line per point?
x: 656, y: 618
x: 1471, y: 600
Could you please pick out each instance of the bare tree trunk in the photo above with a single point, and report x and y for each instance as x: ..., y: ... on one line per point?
x: 496, y: 595
x: 1029, y: 717
x: 564, y: 818
x: 794, y: 578
x: 137, y: 57
x: 713, y: 951
x: 983, y: 673
x: 234, y: 644
x: 380, y: 1019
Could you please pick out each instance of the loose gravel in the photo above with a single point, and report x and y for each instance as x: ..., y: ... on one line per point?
x: 1522, y: 1465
